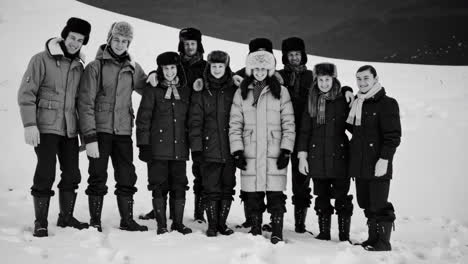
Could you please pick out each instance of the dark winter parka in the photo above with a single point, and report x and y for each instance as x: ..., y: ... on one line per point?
x: 378, y: 136
x: 162, y: 123
x: 105, y: 96
x: 194, y: 71
x: 326, y: 144
x: 48, y: 92
x: 298, y: 98
x: 209, y: 118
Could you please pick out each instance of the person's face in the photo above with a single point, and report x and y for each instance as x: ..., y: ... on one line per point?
x: 324, y: 83
x: 190, y: 47
x: 169, y: 71
x: 365, y: 81
x: 294, y: 58
x: 260, y: 74
x: 217, y: 70
x: 73, y: 42
x: 119, y: 44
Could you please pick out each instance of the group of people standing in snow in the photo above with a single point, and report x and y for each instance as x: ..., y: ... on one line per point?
x: 256, y: 119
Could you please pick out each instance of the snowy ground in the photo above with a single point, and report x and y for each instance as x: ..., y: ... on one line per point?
x: 428, y: 189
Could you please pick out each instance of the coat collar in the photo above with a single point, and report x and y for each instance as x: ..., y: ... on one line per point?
x: 104, y: 54
x: 377, y: 96
x: 53, y: 48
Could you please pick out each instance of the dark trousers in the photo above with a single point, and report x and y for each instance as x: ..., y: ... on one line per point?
x: 197, y: 181
x: 276, y: 202
x: 165, y: 176
x: 300, y: 185
x: 120, y: 149
x: 219, y: 180
x: 327, y: 189
x: 66, y: 149
x: 372, y: 196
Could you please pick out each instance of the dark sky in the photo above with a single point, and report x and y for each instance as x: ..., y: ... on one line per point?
x: 412, y: 31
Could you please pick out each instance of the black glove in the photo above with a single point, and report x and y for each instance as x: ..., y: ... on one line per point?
x: 197, y: 156
x: 283, y: 159
x: 146, y: 153
x: 239, y: 160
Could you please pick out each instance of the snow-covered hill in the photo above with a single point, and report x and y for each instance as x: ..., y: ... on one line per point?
x: 428, y: 189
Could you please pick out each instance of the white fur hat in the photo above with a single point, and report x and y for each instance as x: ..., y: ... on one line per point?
x: 260, y: 59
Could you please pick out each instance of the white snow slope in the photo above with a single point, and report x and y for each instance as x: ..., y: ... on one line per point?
x: 428, y: 189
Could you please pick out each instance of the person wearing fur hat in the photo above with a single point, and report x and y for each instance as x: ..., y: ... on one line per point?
x: 191, y: 52
x: 209, y: 139
x: 323, y: 150
x: 298, y: 79
x: 256, y: 44
x: 106, y: 121
x: 48, y: 112
x: 375, y: 120
x: 163, y: 139
x: 261, y: 136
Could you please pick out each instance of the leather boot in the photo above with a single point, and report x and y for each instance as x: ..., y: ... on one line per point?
x: 224, y: 207
x: 95, y: 210
x: 199, y: 210
x: 300, y: 215
x: 125, y: 204
x: 67, y: 206
x: 212, y: 214
x: 41, y: 210
x: 177, y: 224
x: 159, y: 209
x: 324, y: 226
x: 276, y: 227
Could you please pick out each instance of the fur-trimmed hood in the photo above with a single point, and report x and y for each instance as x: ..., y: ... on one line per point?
x: 52, y: 47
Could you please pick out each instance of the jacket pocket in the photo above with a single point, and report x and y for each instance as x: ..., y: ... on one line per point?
x: 47, y: 112
x: 274, y: 143
x: 102, y: 112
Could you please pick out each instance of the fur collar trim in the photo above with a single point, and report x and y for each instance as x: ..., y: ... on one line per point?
x: 54, y: 50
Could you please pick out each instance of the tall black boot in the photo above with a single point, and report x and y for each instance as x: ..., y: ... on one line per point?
x: 212, y: 214
x: 344, y: 224
x: 224, y: 207
x: 324, y: 226
x: 125, y: 204
x: 95, y: 210
x: 159, y: 208
x: 372, y: 233
x: 41, y: 210
x: 199, y: 210
x: 300, y: 215
x: 382, y: 243
x: 276, y: 227
x: 256, y: 220
x: 67, y: 205
x: 248, y: 221
x: 177, y: 224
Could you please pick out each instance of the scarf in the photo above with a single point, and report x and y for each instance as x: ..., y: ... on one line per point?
x: 318, y: 101
x: 217, y: 83
x: 356, y: 108
x: 172, y: 88
x: 191, y: 60
x: 65, y: 51
x: 295, y: 77
x: 120, y: 58
x: 257, y: 90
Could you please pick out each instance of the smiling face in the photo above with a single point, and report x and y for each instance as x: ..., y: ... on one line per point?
x: 217, y: 70
x: 190, y: 47
x: 169, y: 71
x: 294, y: 58
x: 324, y: 83
x: 73, y: 42
x: 260, y: 74
x: 365, y: 81
x: 119, y: 44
